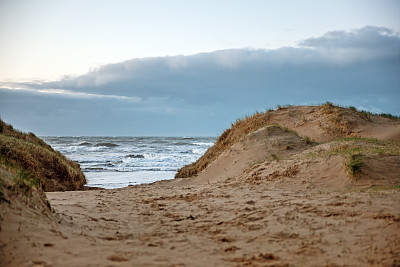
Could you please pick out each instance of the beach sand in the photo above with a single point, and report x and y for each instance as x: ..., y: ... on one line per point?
x: 227, y: 223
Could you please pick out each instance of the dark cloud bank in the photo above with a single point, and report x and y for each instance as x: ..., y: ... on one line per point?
x: 201, y: 94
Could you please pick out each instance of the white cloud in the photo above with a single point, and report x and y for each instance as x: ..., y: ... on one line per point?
x: 334, y: 48
x: 367, y: 43
x: 358, y: 68
x: 69, y: 93
x: 177, y: 62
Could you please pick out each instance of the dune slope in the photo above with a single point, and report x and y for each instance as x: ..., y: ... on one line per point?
x: 42, y: 165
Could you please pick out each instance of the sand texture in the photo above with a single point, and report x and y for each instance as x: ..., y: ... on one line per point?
x: 274, y: 198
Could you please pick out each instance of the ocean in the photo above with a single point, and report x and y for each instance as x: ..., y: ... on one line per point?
x: 114, y: 162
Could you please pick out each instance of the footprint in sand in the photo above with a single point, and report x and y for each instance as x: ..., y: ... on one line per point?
x: 117, y: 258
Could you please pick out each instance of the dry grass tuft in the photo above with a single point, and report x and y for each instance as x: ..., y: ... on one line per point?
x: 339, y: 117
x: 355, y: 164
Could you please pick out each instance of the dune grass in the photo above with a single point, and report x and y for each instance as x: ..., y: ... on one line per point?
x: 35, y: 163
x: 349, y: 146
x: 355, y: 150
x: 355, y: 164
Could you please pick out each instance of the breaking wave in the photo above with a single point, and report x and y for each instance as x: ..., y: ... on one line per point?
x: 111, y: 161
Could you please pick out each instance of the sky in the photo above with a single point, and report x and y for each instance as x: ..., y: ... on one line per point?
x: 190, y: 67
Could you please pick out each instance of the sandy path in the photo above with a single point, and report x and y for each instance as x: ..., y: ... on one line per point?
x: 224, y: 224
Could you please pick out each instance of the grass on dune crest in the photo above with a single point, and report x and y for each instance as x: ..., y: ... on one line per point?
x: 8, y: 130
x: 35, y: 163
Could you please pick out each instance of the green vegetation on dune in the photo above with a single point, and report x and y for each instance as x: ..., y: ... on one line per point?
x: 355, y: 150
x: 367, y: 113
x: 35, y: 163
x: 362, y: 112
x: 353, y: 147
x: 355, y: 164
x: 361, y: 145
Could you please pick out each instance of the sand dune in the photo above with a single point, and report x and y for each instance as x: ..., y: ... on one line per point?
x: 271, y: 198
x: 318, y: 123
x: 265, y: 144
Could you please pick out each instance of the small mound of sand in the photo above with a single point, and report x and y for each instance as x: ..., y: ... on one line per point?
x: 266, y: 144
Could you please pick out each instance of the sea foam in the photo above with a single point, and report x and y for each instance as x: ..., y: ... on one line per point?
x: 113, y: 162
